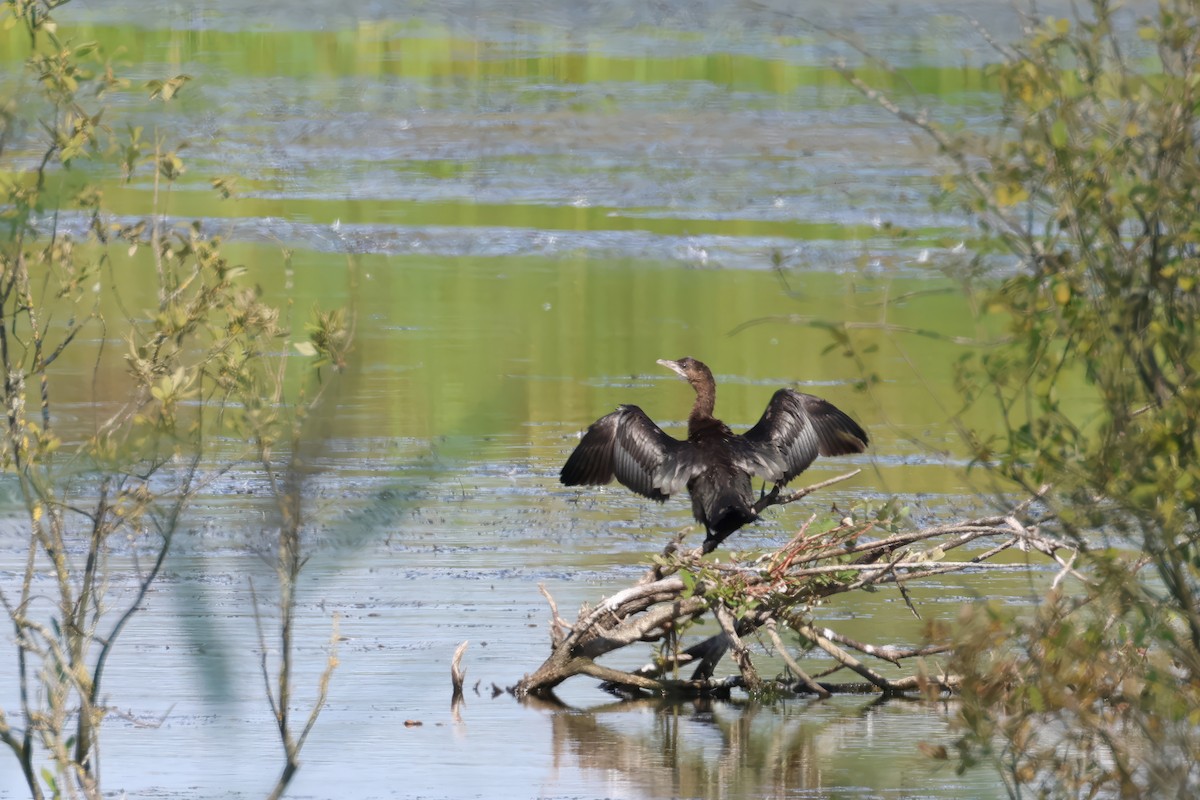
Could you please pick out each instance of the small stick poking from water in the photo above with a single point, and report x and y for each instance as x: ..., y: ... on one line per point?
x: 458, y: 674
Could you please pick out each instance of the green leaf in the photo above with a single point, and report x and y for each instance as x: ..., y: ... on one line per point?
x: 1036, y: 701
x: 50, y: 781
x: 1058, y: 134
x: 689, y: 582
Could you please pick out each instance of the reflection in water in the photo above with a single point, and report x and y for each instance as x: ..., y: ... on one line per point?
x: 708, y: 748
x: 701, y: 749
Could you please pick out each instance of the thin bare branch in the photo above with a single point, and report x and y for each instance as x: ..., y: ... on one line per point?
x: 772, y: 498
x: 588, y: 667
x: 844, y: 658
x: 264, y: 667
x: 331, y: 664
x: 885, y: 652
x: 457, y: 673
x: 558, y: 625
x: 741, y: 653
x: 796, y: 669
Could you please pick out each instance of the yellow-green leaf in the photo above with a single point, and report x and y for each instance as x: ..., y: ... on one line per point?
x: 1058, y: 134
x: 1010, y: 194
x: 1062, y: 293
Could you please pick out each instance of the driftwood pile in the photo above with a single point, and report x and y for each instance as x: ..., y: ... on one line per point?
x: 774, y: 593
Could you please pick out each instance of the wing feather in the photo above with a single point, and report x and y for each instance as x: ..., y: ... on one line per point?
x: 627, y: 445
x: 793, y: 431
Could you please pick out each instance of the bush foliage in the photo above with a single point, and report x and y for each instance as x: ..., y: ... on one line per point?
x: 1092, y: 181
x: 207, y: 356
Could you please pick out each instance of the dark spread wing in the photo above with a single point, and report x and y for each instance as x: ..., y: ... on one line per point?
x: 627, y: 445
x: 794, y: 430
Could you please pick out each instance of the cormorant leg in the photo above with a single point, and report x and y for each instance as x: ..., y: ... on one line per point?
x: 766, y: 499
x: 712, y: 541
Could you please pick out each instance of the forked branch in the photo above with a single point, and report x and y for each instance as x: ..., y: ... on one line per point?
x: 778, y: 590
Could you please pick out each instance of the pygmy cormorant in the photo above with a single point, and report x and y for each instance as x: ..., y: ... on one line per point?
x: 714, y: 464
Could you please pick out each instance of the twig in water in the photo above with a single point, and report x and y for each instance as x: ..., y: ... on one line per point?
x: 457, y: 674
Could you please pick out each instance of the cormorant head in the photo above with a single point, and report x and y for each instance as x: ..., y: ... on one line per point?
x: 694, y: 372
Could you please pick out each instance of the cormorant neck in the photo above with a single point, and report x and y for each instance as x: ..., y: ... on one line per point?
x: 706, y: 402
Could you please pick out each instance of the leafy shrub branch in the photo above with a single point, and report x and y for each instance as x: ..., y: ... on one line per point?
x: 1089, y: 184
x: 209, y: 358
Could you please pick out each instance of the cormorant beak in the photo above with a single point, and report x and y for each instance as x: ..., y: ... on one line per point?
x: 674, y: 366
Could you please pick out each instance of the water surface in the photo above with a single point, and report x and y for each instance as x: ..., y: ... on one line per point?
x: 526, y: 206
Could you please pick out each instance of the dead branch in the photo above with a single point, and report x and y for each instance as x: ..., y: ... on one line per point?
x: 796, y: 669
x: 844, y: 658
x: 772, y: 497
x: 457, y: 676
x: 558, y: 625
x: 780, y: 588
x: 331, y: 664
x: 886, y: 652
x: 741, y: 654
